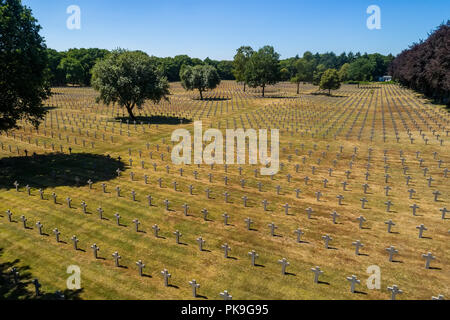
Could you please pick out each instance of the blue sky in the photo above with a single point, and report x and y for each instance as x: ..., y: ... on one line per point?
x: 216, y: 29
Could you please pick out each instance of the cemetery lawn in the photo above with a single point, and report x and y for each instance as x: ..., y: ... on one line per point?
x: 312, y: 130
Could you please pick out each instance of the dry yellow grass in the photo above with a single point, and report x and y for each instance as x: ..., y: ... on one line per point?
x: 346, y: 120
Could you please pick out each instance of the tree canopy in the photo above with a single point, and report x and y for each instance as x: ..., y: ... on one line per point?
x: 425, y: 66
x: 301, y: 75
x: 23, y: 66
x: 262, y: 68
x: 72, y: 69
x: 343, y: 72
x: 240, y: 62
x: 200, y: 77
x: 62, y: 72
x: 317, y: 74
x: 128, y: 78
x: 330, y: 80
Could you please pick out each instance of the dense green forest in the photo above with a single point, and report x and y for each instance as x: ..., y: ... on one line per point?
x: 74, y: 66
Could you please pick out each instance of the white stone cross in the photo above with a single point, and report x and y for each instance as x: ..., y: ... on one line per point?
x: 156, y: 230
x: 353, y: 281
x: 414, y: 208
x: 284, y: 263
x: 117, y: 215
x: 226, y: 248
x: 309, y: 211
x: 317, y: 273
x: 361, y: 220
x: 428, y: 257
x: 141, y: 266
x: 394, y: 291
x: 75, y: 242
x: 200, y: 242
x: 444, y: 212
x: 334, y: 216
x: 363, y: 202
x: 57, y: 233
x: 286, y: 208
x: 272, y: 227
x: 39, y: 226
x: 95, y: 249
x: 116, y: 257
x: 265, y: 203
x: 136, y: 224
x: 390, y: 224
x: 194, y: 286
x: 421, y: 229
x: 248, y: 222
x: 357, y: 245
x: 391, y: 251
x: 166, y: 276
x: 225, y: 218
x: 225, y: 295
x: 327, y: 239
x: 253, y: 256
x: 299, y: 234
x: 177, y: 236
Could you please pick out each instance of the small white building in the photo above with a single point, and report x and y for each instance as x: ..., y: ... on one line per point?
x: 385, y: 78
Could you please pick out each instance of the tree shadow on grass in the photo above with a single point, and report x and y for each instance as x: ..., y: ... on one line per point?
x: 322, y: 93
x: 49, y: 108
x: 21, y: 286
x: 279, y: 97
x: 212, y: 99
x: 171, y: 120
x: 57, y: 169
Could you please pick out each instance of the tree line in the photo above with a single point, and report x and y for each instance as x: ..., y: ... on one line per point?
x: 425, y: 66
x: 28, y: 69
x: 74, y: 66
x: 263, y: 67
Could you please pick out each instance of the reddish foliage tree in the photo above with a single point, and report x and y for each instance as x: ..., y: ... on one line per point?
x: 425, y: 66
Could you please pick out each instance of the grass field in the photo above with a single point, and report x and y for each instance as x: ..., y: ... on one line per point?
x: 313, y: 128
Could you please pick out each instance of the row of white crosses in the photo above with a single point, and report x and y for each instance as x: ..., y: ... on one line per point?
x: 318, y: 194
x: 334, y: 218
x: 389, y: 90
x: 226, y: 248
x: 334, y: 215
x: 286, y: 206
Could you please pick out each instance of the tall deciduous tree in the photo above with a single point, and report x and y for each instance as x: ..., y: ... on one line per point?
x: 57, y: 76
x: 361, y: 70
x: 262, y: 68
x: 129, y: 78
x: 343, y: 72
x: 330, y: 80
x: 302, y: 73
x: 318, y: 72
x: 24, y: 76
x: 425, y: 66
x: 87, y: 59
x: 72, y: 69
x: 200, y: 77
x: 240, y: 61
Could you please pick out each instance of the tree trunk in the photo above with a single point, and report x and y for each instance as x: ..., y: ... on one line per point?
x: 244, y: 86
x: 130, y: 112
x: 201, y: 95
x: 263, y: 87
x: 329, y: 92
x: 298, y: 87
